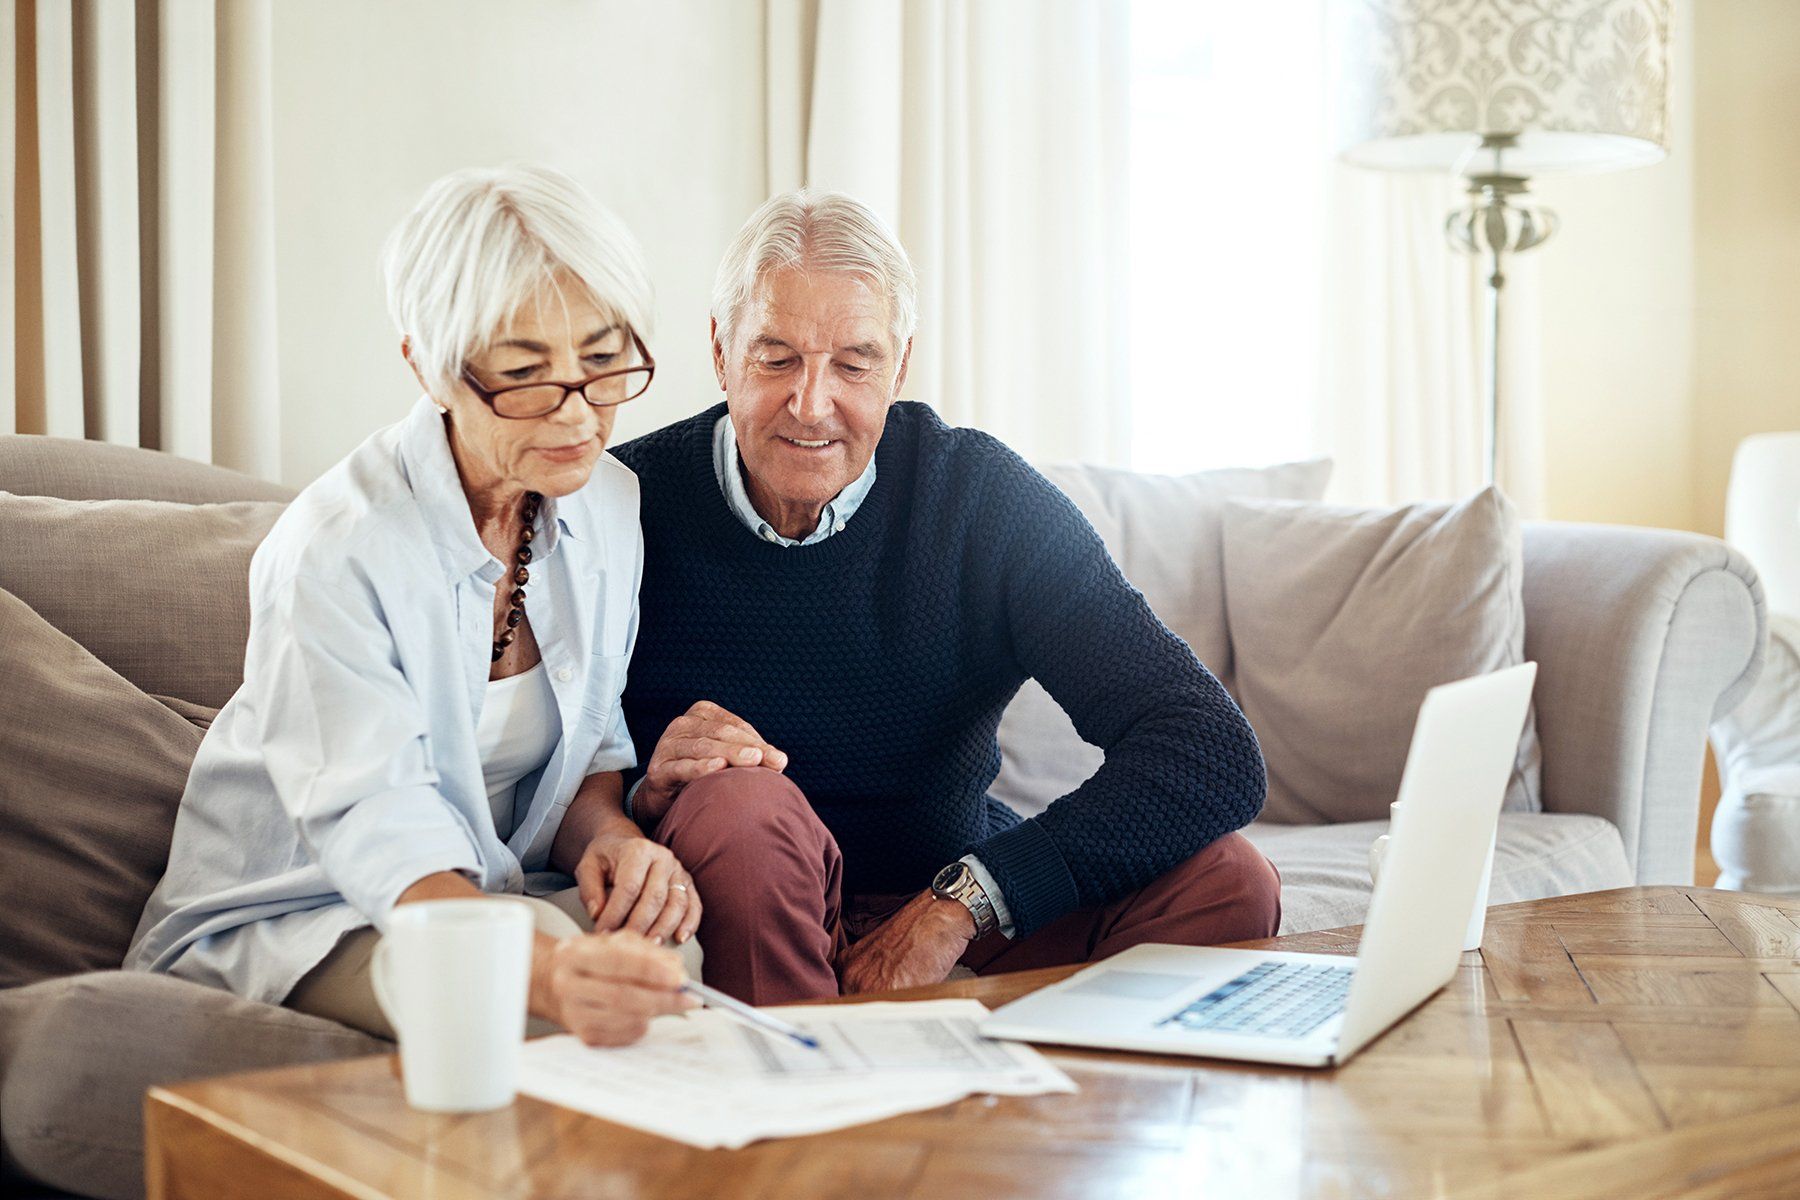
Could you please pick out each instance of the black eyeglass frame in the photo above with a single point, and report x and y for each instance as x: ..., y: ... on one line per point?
x: 488, y: 395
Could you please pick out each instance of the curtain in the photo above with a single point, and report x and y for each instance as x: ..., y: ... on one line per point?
x: 997, y: 138
x: 992, y: 136
x: 136, y: 226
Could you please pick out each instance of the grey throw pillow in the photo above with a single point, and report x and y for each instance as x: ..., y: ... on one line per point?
x: 94, y: 771
x: 159, y: 592
x: 1342, y: 619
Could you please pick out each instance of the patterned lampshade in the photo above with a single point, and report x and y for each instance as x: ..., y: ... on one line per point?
x: 1584, y: 84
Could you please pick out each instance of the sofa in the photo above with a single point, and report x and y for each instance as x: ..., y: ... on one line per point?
x: 135, y: 596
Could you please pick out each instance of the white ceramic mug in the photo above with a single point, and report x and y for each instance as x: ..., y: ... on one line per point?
x: 1478, y: 918
x: 453, y: 977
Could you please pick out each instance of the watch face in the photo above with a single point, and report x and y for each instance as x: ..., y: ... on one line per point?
x: 949, y: 877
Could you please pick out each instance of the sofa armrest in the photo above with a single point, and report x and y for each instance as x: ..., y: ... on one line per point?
x: 1642, y: 638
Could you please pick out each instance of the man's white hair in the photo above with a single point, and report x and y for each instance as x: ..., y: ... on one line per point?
x: 484, y: 241
x: 821, y: 231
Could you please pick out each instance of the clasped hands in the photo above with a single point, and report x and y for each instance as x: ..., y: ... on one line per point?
x: 920, y: 944
x: 607, y: 986
x: 628, y: 882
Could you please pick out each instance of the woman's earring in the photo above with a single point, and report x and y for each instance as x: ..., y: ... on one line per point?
x: 442, y: 409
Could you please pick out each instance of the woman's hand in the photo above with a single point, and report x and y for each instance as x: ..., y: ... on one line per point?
x: 702, y: 740
x: 605, y: 988
x: 632, y: 883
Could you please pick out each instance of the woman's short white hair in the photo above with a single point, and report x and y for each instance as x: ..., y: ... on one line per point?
x: 823, y: 231
x: 482, y: 242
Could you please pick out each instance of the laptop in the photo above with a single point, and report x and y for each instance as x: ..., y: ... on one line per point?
x: 1317, y: 1010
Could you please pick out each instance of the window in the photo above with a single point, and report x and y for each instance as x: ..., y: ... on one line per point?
x: 1229, y: 161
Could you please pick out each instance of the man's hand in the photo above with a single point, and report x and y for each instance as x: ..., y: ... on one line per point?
x: 606, y: 987
x: 917, y: 945
x: 702, y: 740
x: 633, y: 883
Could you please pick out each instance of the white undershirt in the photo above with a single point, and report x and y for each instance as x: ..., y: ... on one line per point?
x: 517, y: 734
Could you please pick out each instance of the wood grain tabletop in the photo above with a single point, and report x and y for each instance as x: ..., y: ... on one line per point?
x: 1643, y: 1042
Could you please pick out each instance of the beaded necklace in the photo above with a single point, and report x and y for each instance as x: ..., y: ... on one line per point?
x: 516, y: 610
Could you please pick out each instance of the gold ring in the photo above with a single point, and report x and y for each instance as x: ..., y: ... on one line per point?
x: 681, y: 886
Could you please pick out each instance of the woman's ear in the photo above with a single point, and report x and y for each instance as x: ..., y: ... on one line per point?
x: 406, y: 353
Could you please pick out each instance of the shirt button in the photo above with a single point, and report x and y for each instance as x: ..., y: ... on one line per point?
x: 768, y: 534
x: 838, y: 528
x: 564, y: 675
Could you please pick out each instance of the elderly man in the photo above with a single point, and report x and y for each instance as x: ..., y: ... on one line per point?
x: 840, y: 595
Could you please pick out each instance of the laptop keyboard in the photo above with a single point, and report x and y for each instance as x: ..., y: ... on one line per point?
x: 1272, y: 999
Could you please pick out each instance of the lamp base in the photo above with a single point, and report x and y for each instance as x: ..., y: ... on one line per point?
x: 1500, y: 220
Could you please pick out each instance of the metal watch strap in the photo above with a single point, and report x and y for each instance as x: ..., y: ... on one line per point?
x: 971, y: 895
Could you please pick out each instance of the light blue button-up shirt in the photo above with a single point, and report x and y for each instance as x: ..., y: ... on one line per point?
x: 345, y: 768
x: 832, y: 519
x: 728, y: 472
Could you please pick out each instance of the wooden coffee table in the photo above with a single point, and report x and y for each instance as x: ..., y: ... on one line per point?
x: 1642, y: 1042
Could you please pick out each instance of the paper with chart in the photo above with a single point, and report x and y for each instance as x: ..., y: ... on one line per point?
x: 706, y: 1080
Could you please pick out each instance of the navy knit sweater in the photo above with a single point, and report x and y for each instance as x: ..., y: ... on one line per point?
x: 880, y: 660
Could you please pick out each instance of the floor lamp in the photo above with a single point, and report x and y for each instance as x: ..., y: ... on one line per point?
x: 1500, y: 92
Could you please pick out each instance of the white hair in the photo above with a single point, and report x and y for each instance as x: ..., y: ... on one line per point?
x: 823, y: 231
x: 481, y: 242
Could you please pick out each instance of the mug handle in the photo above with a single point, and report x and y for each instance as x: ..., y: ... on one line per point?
x: 1377, y: 852
x: 378, y: 968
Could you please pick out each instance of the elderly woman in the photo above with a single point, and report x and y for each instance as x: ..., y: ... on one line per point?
x: 440, y: 627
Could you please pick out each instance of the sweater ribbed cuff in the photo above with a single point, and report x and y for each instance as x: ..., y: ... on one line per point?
x: 1031, y: 872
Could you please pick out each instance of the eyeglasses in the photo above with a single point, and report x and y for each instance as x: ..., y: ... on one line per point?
x: 604, y: 390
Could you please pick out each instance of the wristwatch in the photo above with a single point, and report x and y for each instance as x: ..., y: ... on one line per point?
x: 956, y: 882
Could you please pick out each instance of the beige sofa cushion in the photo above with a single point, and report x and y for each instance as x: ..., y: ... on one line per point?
x: 1325, y: 868
x: 1163, y: 531
x: 1342, y: 619
x: 157, y: 591
x: 77, y: 469
x: 78, y: 1053
x: 94, y: 770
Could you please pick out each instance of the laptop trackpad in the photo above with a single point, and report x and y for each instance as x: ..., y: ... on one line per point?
x: 1130, y: 985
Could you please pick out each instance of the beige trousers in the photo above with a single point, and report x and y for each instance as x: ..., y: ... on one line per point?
x: 338, y: 989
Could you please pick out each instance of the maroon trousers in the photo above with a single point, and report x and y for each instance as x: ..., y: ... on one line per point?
x: 771, y: 877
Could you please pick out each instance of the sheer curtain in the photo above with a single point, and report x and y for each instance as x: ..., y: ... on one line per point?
x: 992, y: 136
x: 1136, y: 246
x: 1285, y: 305
x: 136, y: 226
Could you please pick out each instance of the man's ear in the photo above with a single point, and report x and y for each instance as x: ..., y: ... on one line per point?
x: 900, y: 377
x: 718, y: 351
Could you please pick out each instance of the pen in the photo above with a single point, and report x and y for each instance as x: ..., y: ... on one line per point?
x: 738, y: 1011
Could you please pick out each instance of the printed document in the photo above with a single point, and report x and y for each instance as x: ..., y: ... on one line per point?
x: 704, y: 1079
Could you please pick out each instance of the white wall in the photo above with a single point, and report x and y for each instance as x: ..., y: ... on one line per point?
x: 1747, y: 230
x: 655, y: 107
x: 1672, y: 294
x: 1616, y: 289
